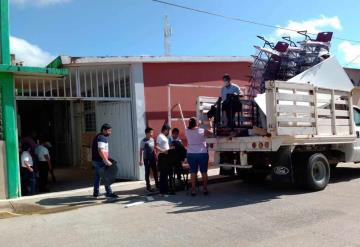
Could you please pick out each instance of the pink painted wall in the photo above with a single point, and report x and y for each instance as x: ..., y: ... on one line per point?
x: 157, y: 76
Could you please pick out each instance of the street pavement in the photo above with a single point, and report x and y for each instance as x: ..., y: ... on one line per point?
x: 233, y: 214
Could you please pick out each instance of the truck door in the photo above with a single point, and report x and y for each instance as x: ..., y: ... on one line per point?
x: 357, y: 130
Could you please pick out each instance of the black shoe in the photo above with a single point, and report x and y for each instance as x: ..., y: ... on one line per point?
x: 206, y: 193
x: 149, y: 189
x: 112, y: 195
x: 172, y: 193
x: 157, y: 186
x: 95, y: 195
x: 193, y: 193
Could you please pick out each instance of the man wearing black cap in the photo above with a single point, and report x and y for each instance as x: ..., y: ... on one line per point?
x: 100, y: 160
x: 228, y: 89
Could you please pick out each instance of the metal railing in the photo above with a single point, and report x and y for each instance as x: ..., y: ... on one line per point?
x: 106, y: 83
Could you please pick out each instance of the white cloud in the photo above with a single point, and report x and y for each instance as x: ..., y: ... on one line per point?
x: 350, y: 52
x: 323, y: 23
x: 38, y: 2
x: 30, y: 54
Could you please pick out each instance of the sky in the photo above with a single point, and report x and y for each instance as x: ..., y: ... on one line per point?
x: 43, y: 29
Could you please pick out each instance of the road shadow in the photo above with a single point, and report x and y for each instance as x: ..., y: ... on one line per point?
x: 238, y: 193
x: 225, y: 192
x: 232, y: 194
x: 344, y: 174
x: 83, y: 200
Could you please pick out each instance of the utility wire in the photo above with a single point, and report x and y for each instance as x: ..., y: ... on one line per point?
x: 244, y: 20
x: 353, y: 60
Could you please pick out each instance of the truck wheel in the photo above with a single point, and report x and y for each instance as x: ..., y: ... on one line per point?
x: 317, y: 172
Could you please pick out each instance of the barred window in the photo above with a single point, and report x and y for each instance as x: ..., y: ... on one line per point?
x: 90, y: 118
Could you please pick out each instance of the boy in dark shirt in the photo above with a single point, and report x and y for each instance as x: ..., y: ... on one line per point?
x: 177, y: 156
x: 148, y: 158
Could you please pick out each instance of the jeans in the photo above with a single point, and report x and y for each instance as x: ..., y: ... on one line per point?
x: 150, y: 165
x: 164, y: 168
x: 99, y: 167
x: 43, y: 175
x: 28, y: 182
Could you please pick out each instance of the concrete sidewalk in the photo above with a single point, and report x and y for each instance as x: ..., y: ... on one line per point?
x: 74, y: 199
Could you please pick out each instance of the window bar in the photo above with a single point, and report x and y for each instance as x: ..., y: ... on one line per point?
x: 114, y: 80
x: 78, y: 84
x: 125, y: 91
x: 64, y: 85
x: 130, y: 80
x: 102, y: 83
x: 51, y: 93
x: 22, y: 86
x: 57, y: 88
x: 44, y: 94
x: 85, y: 81
x: 70, y: 84
x: 29, y: 87
x: 108, y: 81
x: 119, y: 76
x: 91, y: 84
x: 37, y: 87
x: 97, y: 83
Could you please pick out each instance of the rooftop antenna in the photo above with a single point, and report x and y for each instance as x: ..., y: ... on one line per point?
x: 167, y: 36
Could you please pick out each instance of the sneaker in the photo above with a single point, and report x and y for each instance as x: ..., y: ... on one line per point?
x: 112, y: 195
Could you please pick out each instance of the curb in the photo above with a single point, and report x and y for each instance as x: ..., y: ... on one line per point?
x: 6, y: 207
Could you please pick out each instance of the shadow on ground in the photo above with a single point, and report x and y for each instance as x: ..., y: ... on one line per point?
x: 224, y: 193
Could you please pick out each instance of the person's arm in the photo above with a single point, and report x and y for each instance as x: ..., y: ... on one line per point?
x: 103, y: 157
x: 210, y: 131
x: 160, y: 150
x: 47, y: 158
x: 27, y: 165
x: 141, y: 160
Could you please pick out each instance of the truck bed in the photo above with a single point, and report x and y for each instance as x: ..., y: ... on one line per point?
x: 296, y: 114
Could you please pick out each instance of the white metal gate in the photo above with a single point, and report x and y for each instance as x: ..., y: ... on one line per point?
x: 118, y: 115
x: 105, y: 83
x: 109, y: 87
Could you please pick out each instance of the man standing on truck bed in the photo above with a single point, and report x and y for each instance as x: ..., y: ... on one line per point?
x: 229, y: 89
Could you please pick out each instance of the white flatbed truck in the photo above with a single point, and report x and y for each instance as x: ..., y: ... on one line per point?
x: 309, y: 130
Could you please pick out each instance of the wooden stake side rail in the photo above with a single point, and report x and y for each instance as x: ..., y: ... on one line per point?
x: 295, y: 109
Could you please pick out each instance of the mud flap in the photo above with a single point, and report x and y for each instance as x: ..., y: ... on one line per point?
x: 282, y: 169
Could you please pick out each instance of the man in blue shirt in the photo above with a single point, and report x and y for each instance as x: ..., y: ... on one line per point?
x: 226, y: 90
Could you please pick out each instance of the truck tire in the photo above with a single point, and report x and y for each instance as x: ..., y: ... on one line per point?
x: 317, y: 172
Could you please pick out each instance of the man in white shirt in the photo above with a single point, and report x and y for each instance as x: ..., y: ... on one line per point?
x: 162, y: 147
x: 27, y: 172
x: 43, y: 155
